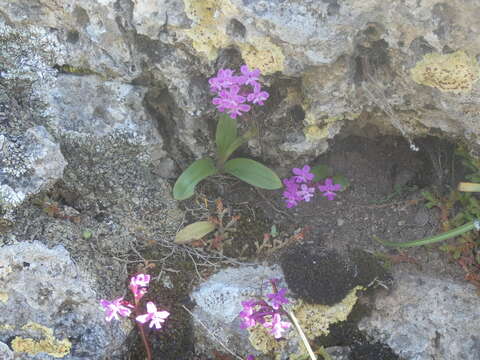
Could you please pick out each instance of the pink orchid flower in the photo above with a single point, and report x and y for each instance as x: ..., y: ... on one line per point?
x: 155, y: 317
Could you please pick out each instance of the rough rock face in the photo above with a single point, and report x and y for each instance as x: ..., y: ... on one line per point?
x: 425, y: 318
x: 218, y: 303
x: 410, y: 66
x: 28, y: 164
x: 139, y: 69
x: 49, y: 309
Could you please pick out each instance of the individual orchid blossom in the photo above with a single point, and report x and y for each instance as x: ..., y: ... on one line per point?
x: 278, y: 299
x: 138, y: 285
x: 303, y: 175
x: 249, y: 77
x: 329, y: 189
x: 223, y: 80
x: 258, y: 96
x: 155, y: 317
x: 116, y: 308
x: 305, y: 192
x: 277, y: 326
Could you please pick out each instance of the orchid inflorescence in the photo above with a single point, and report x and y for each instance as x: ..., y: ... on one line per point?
x: 268, y: 313
x: 233, y: 91
x: 300, y: 187
x: 122, y: 308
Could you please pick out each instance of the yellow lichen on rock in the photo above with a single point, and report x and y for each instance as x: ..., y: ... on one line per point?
x: 264, y: 55
x: 316, y: 319
x: 208, y: 34
x: 456, y: 72
x: 314, y: 132
x: 3, y: 297
x: 48, y: 345
x: 5, y: 327
x: 263, y: 341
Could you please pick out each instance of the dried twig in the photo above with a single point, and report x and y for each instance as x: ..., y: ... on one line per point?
x: 210, y: 333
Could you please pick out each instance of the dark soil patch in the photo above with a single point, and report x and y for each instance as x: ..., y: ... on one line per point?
x: 324, y: 276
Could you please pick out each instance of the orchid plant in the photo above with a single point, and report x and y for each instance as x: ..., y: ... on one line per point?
x: 306, y: 180
x: 272, y: 314
x: 121, y: 308
x: 235, y: 95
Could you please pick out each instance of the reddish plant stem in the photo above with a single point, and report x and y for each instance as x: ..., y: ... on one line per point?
x: 141, y: 329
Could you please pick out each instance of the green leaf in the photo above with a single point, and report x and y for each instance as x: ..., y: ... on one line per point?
x: 342, y: 180
x: 321, y: 172
x: 253, y: 173
x: 194, y: 231
x: 196, y: 172
x: 236, y: 144
x: 225, y: 135
x: 87, y: 234
x: 273, y: 230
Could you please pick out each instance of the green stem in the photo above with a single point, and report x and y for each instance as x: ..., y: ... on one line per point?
x: 433, y: 239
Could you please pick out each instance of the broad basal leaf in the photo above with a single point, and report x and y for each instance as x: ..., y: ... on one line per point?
x: 194, y: 231
x: 254, y: 173
x: 185, y: 185
x: 320, y: 171
x: 225, y: 135
x: 342, y: 180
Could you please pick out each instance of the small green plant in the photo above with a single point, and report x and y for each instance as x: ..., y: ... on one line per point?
x: 247, y: 170
x: 469, y: 215
x: 234, y: 92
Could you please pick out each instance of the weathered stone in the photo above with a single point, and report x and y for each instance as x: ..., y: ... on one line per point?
x: 28, y: 165
x: 424, y: 317
x: 5, y: 352
x: 49, y: 308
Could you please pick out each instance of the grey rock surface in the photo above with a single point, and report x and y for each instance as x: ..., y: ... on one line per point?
x: 427, y: 318
x: 218, y: 303
x: 5, y: 352
x: 28, y: 164
x: 50, y: 309
x: 331, y: 66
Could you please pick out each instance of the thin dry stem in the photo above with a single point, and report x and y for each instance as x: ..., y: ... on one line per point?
x: 211, y: 334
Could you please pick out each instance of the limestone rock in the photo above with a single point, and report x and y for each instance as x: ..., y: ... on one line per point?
x: 28, y: 164
x: 49, y: 308
x: 218, y: 303
x: 5, y: 352
x: 424, y: 318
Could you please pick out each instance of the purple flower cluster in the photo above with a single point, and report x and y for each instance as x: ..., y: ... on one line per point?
x: 300, y: 187
x: 268, y: 314
x: 122, y: 308
x: 233, y: 91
